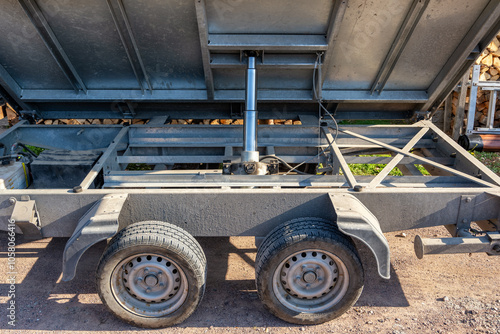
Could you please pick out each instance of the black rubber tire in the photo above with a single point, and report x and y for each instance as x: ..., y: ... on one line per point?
x: 160, y: 238
x: 299, y: 235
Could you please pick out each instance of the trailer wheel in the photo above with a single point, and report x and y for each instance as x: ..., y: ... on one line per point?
x: 152, y: 274
x: 308, y: 272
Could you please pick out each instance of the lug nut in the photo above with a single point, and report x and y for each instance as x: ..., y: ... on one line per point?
x: 148, y: 290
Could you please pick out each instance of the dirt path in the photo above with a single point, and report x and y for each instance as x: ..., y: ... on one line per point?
x: 439, y: 294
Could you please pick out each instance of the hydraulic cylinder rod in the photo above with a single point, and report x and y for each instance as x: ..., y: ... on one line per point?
x: 250, y: 152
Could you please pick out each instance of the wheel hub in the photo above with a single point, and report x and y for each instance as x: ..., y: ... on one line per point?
x: 309, y: 277
x: 310, y: 281
x: 151, y: 280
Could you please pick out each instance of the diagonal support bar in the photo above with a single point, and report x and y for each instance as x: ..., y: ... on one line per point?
x: 397, y: 159
x: 410, y: 23
x: 49, y: 38
x: 480, y: 34
x: 336, y: 17
x: 129, y: 42
x: 108, y: 154
x: 424, y: 160
x: 201, y: 17
x: 11, y: 88
x: 351, y: 180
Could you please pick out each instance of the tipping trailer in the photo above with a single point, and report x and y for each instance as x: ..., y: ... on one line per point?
x: 289, y: 186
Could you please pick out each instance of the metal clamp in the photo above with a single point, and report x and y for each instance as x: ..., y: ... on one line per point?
x: 25, y: 215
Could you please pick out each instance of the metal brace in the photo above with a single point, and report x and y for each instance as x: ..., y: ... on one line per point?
x: 25, y: 215
x: 465, y: 215
x: 494, y: 238
x: 126, y: 108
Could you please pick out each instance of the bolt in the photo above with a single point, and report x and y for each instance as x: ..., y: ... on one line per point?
x: 159, y: 273
x: 162, y: 284
x: 146, y: 270
x: 304, y: 267
x: 468, y: 199
x: 12, y: 200
x: 298, y: 278
x: 496, y: 248
x: 320, y: 279
x: 139, y: 279
x: 308, y: 286
x: 318, y: 268
x: 148, y: 290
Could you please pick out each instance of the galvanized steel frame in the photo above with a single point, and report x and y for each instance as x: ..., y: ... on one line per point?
x: 209, y: 204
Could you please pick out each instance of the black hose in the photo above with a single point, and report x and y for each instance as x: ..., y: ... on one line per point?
x: 28, y: 150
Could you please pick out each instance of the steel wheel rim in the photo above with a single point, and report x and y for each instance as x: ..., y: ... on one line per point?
x: 310, y: 281
x: 149, y: 285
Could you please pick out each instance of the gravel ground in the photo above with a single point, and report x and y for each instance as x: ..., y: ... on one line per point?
x: 438, y: 294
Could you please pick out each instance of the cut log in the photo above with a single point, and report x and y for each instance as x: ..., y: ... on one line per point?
x: 488, y: 60
x: 494, y: 45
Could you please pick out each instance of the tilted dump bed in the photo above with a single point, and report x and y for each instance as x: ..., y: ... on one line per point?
x: 140, y: 58
x: 291, y: 186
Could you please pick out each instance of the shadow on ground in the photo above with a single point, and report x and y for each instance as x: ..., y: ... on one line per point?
x: 44, y: 304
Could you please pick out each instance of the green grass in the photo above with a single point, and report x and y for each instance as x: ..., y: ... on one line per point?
x: 489, y: 159
x: 36, y: 150
x: 139, y: 167
x: 374, y: 169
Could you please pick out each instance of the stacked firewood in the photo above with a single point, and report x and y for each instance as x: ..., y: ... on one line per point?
x: 490, y: 71
x: 173, y: 121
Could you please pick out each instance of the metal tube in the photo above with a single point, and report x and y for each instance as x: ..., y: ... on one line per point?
x: 425, y: 246
x: 250, y: 152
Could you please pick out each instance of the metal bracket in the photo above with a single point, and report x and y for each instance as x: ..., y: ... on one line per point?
x: 494, y: 238
x: 465, y: 215
x: 355, y: 220
x: 126, y: 108
x: 25, y: 215
x: 99, y: 223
